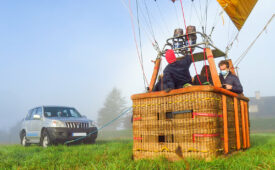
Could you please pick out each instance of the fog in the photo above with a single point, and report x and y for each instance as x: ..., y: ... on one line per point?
x: 73, y: 54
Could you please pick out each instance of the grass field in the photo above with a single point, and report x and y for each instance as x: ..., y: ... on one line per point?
x: 117, y: 155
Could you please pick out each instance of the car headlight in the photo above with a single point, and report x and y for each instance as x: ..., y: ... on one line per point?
x: 92, y: 124
x: 57, y: 123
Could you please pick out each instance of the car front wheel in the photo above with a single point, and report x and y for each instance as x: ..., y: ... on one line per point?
x: 45, y: 140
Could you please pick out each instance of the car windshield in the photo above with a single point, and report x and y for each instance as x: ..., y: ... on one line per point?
x: 60, y: 112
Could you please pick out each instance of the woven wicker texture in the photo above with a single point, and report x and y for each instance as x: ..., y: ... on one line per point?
x: 183, y: 125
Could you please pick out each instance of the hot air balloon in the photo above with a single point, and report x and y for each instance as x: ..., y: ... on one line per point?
x: 201, y: 121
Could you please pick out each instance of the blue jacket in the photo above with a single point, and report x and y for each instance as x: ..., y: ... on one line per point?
x: 233, y: 81
x: 176, y: 74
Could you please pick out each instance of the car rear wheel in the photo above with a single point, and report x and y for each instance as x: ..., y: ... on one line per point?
x: 45, y: 140
x: 24, y: 141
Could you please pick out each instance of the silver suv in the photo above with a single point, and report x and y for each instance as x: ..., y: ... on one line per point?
x: 47, y: 125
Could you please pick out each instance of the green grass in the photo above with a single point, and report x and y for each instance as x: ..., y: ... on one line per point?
x: 117, y: 155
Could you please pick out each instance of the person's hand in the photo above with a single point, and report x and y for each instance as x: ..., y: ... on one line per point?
x: 168, y: 90
x: 228, y: 86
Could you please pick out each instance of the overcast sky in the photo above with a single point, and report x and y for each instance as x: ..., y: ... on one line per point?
x: 73, y: 53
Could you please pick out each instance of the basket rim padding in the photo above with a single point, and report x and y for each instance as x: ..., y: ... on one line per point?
x: 199, y: 88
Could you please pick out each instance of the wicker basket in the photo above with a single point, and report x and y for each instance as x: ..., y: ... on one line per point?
x: 198, y: 121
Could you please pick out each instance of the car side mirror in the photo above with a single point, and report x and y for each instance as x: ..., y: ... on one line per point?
x: 36, y: 117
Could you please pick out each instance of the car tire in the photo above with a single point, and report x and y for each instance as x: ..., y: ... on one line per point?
x: 24, y: 141
x: 45, y: 140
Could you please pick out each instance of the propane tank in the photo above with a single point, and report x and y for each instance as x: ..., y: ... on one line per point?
x: 178, y: 40
x: 191, y: 31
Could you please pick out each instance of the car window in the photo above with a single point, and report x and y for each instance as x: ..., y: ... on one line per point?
x: 33, y: 113
x: 28, y: 117
x: 60, y: 112
x: 63, y: 113
x: 39, y: 111
x: 74, y: 113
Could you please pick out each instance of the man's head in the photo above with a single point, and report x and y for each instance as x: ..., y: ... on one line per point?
x: 170, y: 56
x: 224, y: 67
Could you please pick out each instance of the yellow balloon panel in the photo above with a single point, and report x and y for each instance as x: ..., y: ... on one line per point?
x: 238, y: 10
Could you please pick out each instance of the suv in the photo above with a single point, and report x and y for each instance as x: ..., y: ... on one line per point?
x: 48, y: 125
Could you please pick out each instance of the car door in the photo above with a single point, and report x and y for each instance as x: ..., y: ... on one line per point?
x: 30, y: 133
x: 27, y: 122
x: 36, y: 124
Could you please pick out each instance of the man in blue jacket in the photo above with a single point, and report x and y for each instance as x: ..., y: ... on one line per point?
x: 176, y: 74
x: 228, y: 80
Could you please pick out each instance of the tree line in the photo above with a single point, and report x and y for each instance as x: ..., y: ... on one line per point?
x: 113, y: 106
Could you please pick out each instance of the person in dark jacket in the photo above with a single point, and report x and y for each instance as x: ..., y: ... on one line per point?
x: 228, y: 80
x: 176, y: 73
x: 159, y: 85
x: 205, y: 76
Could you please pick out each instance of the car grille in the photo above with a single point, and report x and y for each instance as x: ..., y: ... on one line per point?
x: 77, y: 125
